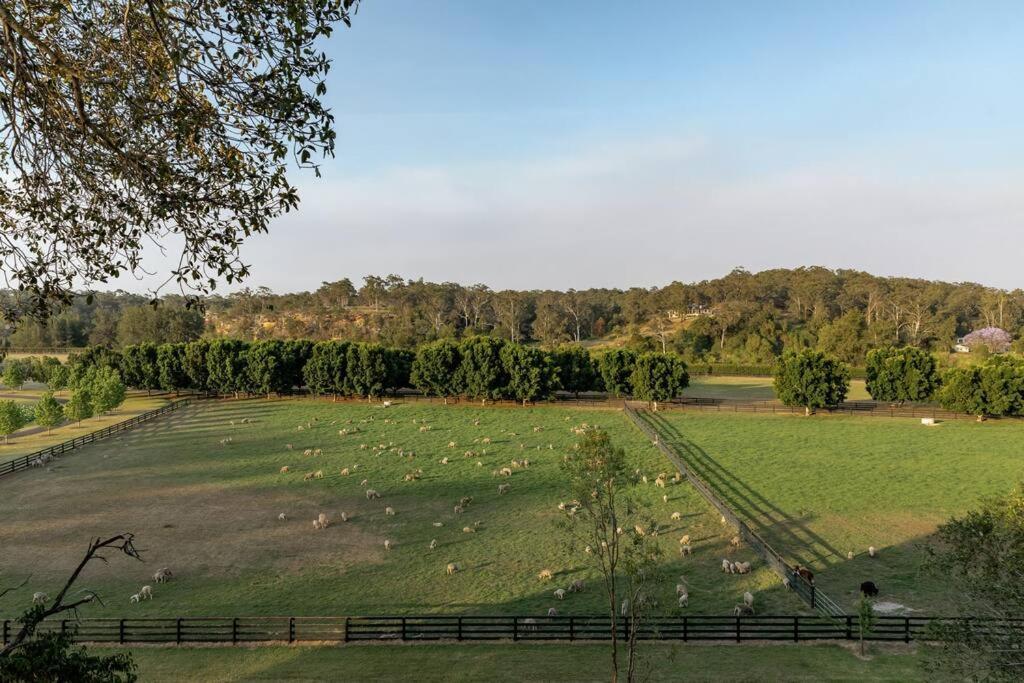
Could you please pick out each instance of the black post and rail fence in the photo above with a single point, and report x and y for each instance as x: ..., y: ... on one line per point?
x: 234, y: 630
x: 37, y: 457
x: 807, y: 591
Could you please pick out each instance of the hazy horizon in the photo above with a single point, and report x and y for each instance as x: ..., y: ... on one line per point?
x: 553, y: 146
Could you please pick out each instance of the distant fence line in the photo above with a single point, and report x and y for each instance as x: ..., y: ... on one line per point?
x: 184, y: 630
x: 867, y: 408
x: 25, y: 461
x: 807, y: 591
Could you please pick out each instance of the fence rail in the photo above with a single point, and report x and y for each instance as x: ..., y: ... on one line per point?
x: 865, y: 408
x: 462, y: 628
x: 807, y: 591
x: 26, y: 461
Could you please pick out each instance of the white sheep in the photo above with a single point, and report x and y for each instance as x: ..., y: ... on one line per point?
x: 433, y: 543
x: 849, y: 554
x: 39, y: 598
x: 438, y: 524
x: 576, y: 586
x: 468, y: 530
x: 308, y: 452
x: 545, y: 575
x: 344, y: 517
x: 284, y: 469
x: 371, y: 494
x: 552, y: 612
x: 684, y: 539
x: 624, y: 609
x: 319, y: 474
x: 387, y: 544
x: 317, y: 524
x: 734, y: 542
x: 324, y: 522
x: 134, y: 598
x: 163, y: 575
x: 453, y: 567
x: 748, y: 599
x: 727, y: 567
x: 146, y: 592
x: 390, y: 511
x: 685, y: 550
x: 308, y: 476
x: 451, y: 444
x: 560, y: 593
x: 872, y: 552
x: 676, y: 516
x: 742, y: 567
x: 503, y: 488
x: 684, y: 599
x: 344, y: 472
x: 281, y: 517
x: 680, y: 588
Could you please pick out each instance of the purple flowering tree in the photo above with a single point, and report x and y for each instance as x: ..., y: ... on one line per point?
x: 996, y: 339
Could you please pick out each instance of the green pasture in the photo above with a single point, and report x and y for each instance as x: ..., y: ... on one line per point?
x: 208, y: 508
x: 819, y: 487
x: 751, y: 388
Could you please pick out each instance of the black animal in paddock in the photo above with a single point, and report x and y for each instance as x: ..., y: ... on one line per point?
x: 805, y: 573
x: 869, y: 589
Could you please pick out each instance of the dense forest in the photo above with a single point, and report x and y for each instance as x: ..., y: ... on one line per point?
x: 743, y: 317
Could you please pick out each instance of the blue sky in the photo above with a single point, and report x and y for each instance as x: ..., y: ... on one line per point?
x: 574, y: 144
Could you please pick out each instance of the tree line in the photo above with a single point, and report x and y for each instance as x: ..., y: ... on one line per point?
x: 742, y: 318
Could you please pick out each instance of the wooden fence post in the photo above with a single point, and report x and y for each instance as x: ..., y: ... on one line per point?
x: 120, y: 631
x: 796, y: 629
x: 178, y: 631
x: 906, y: 629
x: 346, y: 629
x: 686, y: 629
x: 7, y: 626
x: 291, y: 630
x: 849, y: 627
x: 403, y: 628
x: 234, y: 630
x: 460, y: 629
x: 572, y: 628
x: 737, y: 629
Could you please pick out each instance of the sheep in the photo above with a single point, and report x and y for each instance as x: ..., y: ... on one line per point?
x: 742, y: 567
x: 545, y: 575
x: 284, y: 470
x: 458, y: 509
x: 387, y: 544
x: 588, y: 550
x: 726, y: 567
x: 506, y: 471
x: 317, y: 524
x: 479, y: 464
x: 433, y: 543
x: 486, y: 440
x: 281, y: 517
x: 319, y: 474
x: 503, y: 488
x: 684, y: 599
x: 869, y: 589
x: 451, y: 444
x: 444, y: 461
x: 452, y: 568
x: 308, y: 476
x: 344, y: 517
x: 849, y: 554
x: 468, y: 530
x: 364, y: 482
x: 344, y: 472
x: 39, y: 598
x: 552, y: 612
x: 135, y: 598
x: 685, y: 550
x: 576, y: 586
x: 743, y: 611
x: 734, y: 542
x: 680, y: 588
x: 371, y: 494
x: 287, y: 446
x: 559, y: 594
x: 308, y: 452
x: 659, y: 482
x: 676, y: 516
x: 872, y: 552
x: 163, y: 575
x: 476, y: 423
x: 684, y: 539
x: 664, y: 498
x: 640, y: 531
x: 317, y: 451
x: 146, y: 592
x: 465, y: 501
x: 389, y: 511
x: 324, y: 522
x: 438, y: 524
x: 385, y: 404
x: 748, y: 599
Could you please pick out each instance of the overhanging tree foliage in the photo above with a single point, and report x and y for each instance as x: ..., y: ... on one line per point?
x: 124, y: 122
x: 811, y: 379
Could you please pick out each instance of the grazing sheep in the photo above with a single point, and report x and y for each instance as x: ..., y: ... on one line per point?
x: 344, y: 472
x: 849, y: 554
x: 308, y: 451
x: 872, y: 552
x: 576, y: 586
x: 319, y: 474
x: 748, y: 599
x: 726, y: 567
x: 317, y: 451
x: 869, y: 589
x: 486, y: 440
x: 438, y: 524
x: 281, y: 517
x: 308, y: 476
x: 680, y: 588
x: 676, y: 516
x: 684, y: 599
x: 390, y: 511
x: 284, y: 469
x: 684, y: 539
x: 371, y: 494
x: 560, y: 594
x: 503, y: 488
x: 742, y: 567
x: 640, y: 531
x: 685, y: 550
x: 344, y: 517
x: 506, y: 471
x: 146, y: 592
x: 659, y: 482
x: 451, y: 444
x: 317, y: 524
x: 364, y: 482
x: 588, y: 550
x: 433, y: 543
x: 545, y: 575
x: 468, y: 530
x: 743, y: 611
x: 324, y: 522
x: 39, y: 598
x: 288, y: 446
x: 734, y: 542
x: 664, y: 498
x: 552, y: 612
x: 387, y: 544
x: 134, y: 598
x: 452, y: 568
x: 162, y: 575
x: 458, y: 509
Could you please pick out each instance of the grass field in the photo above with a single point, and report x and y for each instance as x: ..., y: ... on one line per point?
x: 210, y: 512
x: 527, y: 662
x: 32, y: 437
x: 751, y: 388
x: 821, y: 486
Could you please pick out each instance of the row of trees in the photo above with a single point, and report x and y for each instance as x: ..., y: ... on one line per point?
x: 97, y: 390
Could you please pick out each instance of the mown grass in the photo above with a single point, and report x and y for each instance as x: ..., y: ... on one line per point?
x: 527, y: 662
x: 751, y: 388
x: 819, y: 487
x: 33, y: 437
x: 210, y: 512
